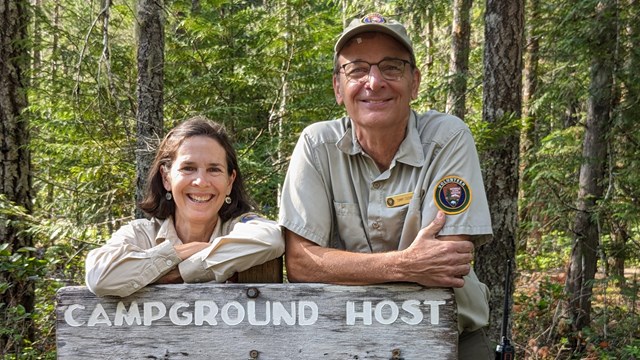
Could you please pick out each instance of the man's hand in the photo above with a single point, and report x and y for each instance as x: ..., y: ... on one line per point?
x: 437, y: 261
x: 430, y: 261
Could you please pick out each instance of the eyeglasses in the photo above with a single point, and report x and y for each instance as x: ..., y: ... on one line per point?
x: 391, y: 69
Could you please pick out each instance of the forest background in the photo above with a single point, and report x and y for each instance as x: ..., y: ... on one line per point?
x: 550, y: 90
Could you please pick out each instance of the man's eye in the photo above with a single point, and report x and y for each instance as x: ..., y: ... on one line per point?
x: 358, y: 71
x: 390, y: 68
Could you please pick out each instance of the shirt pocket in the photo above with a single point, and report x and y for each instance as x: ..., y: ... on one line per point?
x: 350, y: 230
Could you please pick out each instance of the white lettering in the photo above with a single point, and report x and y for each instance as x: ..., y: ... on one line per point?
x: 280, y: 313
x: 413, y: 308
x: 365, y: 314
x: 312, y: 318
x: 251, y: 305
x: 173, y: 314
x: 98, y: 316
x: 210, y: 316
x: 255, y: 313
x: 132, y: 315
x: 239, y: 313
x: 379, y: 312
x: 149, y: 316
x: 68, y: 315
x: 435, y: 310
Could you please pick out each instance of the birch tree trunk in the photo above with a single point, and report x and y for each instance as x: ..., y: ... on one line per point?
x: 459, y: 62
x: 504, y: 21
x: 584, y: 253
x: 15, y: 173
x: 150, y: 36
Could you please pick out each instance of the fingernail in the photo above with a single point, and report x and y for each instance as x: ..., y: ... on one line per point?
x: 440, y: 215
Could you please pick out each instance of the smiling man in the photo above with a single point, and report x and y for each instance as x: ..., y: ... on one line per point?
x: 386, y: 194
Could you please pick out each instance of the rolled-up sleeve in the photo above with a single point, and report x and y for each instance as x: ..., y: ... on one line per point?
x: 128, y: 262
x: 249, y: 243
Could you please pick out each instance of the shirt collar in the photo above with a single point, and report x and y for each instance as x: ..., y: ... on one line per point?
x: 348, y: 143
x: 168, y: 232
x: 410, y: 151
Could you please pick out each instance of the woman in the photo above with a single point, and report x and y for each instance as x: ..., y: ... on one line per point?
x: 201, y: 228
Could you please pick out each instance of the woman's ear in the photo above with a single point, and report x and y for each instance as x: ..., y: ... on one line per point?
x: 164, y: 172
x: 232, y: 178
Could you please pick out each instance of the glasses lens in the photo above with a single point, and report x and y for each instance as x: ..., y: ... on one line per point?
x: 391, y: 69
x: 357, y: 70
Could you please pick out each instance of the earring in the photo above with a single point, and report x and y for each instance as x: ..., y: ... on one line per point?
x: 168, y: 196
x: 227, y: 199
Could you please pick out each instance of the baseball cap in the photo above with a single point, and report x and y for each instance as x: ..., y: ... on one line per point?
x: 375, y: 22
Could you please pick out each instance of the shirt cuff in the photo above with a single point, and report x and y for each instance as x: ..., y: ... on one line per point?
x: 193, y: 270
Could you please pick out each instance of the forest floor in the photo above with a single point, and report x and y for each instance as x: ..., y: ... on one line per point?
x: 541, y: 332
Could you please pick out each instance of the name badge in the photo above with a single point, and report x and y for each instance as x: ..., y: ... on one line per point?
x: 398, y: 200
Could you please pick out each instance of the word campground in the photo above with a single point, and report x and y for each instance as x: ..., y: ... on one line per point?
x: 231, y: 313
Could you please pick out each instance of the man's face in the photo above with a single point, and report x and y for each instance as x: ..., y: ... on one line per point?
x: 374, y: 102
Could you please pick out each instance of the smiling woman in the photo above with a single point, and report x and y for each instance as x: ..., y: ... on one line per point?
x: 201, y: 227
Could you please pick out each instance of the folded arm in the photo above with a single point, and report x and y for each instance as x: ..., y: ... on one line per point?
x: 429, y: 261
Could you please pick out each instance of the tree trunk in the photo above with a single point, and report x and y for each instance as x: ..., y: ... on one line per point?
x: 529, y: 138
x: 459, y: 62
x: 530, y: 78
x: 149, y: 120
x: 15, y: 168
x: 584, y: 256
x: 630, y: 98
x: 504, y: 22
x: 619, y: 239
x: 428, y: 42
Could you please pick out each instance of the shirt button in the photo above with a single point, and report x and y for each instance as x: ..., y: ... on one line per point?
x: 169, y: 262
x: 135, y: 285
x: 376, y: 185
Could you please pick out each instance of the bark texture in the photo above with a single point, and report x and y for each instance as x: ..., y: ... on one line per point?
x: 584, y: 253
x: 149, y: 120
x: 504, y: 26
x: 15, y: 171
x: 459, y: 62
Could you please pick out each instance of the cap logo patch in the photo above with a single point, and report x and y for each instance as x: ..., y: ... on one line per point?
x: 374, y: 18
x: 452, y: 195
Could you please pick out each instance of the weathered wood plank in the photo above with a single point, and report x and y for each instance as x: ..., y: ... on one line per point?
x: 269, y: 272
x: 259, y: 321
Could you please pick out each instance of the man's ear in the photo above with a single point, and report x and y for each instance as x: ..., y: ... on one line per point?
x: 337, y: 89
x: 415, y: 85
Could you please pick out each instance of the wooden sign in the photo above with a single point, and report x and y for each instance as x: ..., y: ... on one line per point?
x: 259, y: 321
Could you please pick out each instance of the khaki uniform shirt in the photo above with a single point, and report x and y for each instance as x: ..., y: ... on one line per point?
x: 142, y: 251
x: 335, y: 196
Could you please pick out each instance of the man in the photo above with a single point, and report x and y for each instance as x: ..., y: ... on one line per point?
x: 365, y: 196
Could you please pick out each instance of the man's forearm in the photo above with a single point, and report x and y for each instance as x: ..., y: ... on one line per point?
x: 308, y: 262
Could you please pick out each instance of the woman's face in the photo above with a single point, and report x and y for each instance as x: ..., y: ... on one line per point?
x: 199, y: 180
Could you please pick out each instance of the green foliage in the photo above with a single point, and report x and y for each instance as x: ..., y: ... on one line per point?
x: 263, y: 69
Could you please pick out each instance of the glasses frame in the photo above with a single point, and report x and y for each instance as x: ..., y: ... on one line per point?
x: 366, y: 77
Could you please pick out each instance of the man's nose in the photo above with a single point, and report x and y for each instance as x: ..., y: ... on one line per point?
x: 375, y: 80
